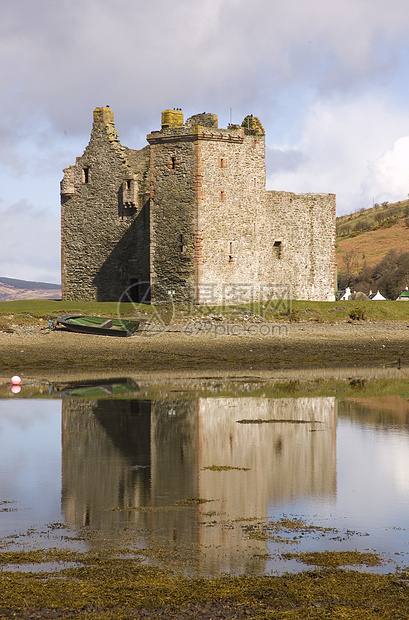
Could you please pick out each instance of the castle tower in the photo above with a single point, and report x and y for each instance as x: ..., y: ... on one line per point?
x: 207, y: 196
x: 188, y: 218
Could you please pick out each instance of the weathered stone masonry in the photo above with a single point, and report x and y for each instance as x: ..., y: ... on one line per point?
x: 189, y: 213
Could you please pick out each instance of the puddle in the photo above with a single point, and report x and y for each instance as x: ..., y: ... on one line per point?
x: 219, y: 478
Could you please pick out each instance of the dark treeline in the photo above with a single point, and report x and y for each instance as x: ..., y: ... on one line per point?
x: 390, y: 276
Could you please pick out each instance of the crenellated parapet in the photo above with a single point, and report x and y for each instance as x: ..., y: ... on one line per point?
x: 203, y: 126
x: 172, y: 118
x: 252, y: 126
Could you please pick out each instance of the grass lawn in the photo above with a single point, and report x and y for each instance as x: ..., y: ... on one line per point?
x: 30, y: 311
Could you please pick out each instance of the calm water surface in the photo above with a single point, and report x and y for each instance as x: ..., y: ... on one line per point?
x: 134, y: 470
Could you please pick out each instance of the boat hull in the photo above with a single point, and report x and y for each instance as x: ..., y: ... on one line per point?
x: 98, y: 325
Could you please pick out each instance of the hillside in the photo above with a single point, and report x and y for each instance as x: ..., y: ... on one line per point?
x: 12, y: 289
x: 366, y: 236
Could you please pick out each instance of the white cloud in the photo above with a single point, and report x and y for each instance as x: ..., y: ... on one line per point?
x: 327, y: 79
x: 65, y: 58
x: 390, y: 173
x: 352, y: 148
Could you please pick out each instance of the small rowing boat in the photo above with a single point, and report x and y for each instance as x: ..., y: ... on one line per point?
x: 97, y: 388
x: 98, y: 325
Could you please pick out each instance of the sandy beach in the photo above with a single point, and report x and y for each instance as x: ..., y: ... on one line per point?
x: 39, y: 351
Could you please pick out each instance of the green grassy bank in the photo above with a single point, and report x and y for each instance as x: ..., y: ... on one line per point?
x: 29, y: 311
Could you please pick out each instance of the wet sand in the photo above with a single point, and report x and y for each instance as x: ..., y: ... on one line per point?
x: 300, y: 346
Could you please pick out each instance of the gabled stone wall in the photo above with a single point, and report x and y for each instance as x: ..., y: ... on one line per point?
x: 105, y: 219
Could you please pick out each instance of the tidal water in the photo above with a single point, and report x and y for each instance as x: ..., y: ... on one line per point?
x: 208, y: 477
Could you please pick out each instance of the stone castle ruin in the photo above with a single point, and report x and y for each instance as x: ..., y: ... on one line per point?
x: 189, y: 216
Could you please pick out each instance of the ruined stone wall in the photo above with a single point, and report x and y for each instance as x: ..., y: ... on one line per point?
x: 190, y: 215
x: 105, y: 217
x: 304, y: 226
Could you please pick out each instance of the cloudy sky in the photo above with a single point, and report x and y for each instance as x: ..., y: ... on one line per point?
x: 327, y: 78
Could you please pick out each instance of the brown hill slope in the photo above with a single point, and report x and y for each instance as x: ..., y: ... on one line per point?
x: 11, y: 290
x: 371, y: 234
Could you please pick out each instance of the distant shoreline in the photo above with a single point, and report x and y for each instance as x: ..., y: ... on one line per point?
x: 12, y: 289
x: 29, y: 284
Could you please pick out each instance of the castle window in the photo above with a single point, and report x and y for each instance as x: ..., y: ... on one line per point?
x: 182, y: 245
x: 128, y: 184
x: 231, y: 257
x: 277, y: 248
x: 223, y: 195
x: 173, y: 163
x: 223, y: 162
x: 85, y: 175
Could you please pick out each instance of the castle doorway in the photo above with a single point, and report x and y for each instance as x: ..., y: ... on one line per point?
x: 139, y: 291
x: 134, y: 290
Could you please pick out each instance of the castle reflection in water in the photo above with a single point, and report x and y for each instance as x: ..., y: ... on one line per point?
x: 124, y: 454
